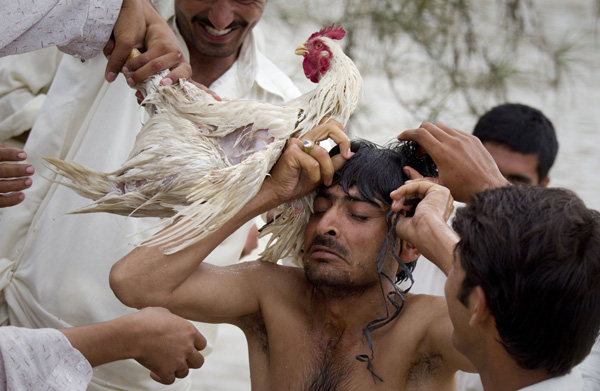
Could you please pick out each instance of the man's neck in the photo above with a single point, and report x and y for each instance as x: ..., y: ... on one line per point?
x: 352, y: 311
x: 503, y: 374
x: 206, y: 70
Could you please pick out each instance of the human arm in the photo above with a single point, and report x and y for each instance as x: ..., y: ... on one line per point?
x: 427, y: 229
x: 182, y: 283
x: 464, y: 165
x: 162, y: 342
x: 19, y: 174
x: 438, y: 338
x: 24, y: 83
x: 158, y: 43
x: 82, y: 30
x: 51, y: 362
x: 251, y: 241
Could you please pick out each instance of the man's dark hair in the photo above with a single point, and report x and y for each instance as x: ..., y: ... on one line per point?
x: 522, y: 129
x: 536, y: 254
x: 376, y: 171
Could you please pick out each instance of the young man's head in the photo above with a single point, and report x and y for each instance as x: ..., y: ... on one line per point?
x: 350, y: 222
x: 527, y: 267
x: 521, y: 140
x: 217, y: 28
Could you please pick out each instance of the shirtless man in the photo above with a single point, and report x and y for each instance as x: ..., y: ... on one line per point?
x: 306, y: 328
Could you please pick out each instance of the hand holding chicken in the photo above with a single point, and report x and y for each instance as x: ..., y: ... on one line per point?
x: 198, y: 160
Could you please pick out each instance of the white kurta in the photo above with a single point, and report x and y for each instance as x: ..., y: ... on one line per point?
x: 78, y: 27
x: 569, y: 382
x: 590, y: 369
x: 430, y: 280
x: 54, y: 267
x: 40, y: 360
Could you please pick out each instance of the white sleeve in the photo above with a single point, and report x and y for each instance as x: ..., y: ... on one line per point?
x: 41, y: 359
x: 78, y: 27
x: 590, y: 369
x: 24, y: 81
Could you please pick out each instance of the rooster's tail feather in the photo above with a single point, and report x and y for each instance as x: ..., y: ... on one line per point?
x: 87, y: 183
x: 214, y: 200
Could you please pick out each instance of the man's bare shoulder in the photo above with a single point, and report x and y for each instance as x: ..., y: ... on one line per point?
x: 269, y: 268
x: 418, y: 316
x: 269, y: 275
x: 422, y: 315
x: 429, y: 308
x: 436, y: 331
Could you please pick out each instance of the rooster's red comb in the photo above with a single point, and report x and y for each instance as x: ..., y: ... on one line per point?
x: 330, y: 32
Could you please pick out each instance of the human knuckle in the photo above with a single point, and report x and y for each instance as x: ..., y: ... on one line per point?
x: 126, y: 39
x: 313, y: 165
x: 156, y: 65
x: 175, y: 51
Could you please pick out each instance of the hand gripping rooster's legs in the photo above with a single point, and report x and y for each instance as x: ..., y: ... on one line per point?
x: 198, y: 161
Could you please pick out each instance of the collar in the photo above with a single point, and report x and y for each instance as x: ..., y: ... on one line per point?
x: 569, y: 382
x: 252, y: 67
x: 238, y: 79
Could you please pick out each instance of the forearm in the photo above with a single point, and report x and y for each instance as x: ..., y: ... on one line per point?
x: 438, y: 243
x: 80, y: 29
x: 148, y: 277
x: 104, y: 342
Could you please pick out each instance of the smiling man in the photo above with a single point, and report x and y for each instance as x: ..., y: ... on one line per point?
x: 53, y: 258
x: 338, y: 323
x: 214, y: 32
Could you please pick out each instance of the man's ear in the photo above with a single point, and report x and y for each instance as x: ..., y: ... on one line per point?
x: 478, y: 305
x: 409, y: 252
x: 544, y: 182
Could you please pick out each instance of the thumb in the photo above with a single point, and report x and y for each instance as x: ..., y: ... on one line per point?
x: 411, y: 173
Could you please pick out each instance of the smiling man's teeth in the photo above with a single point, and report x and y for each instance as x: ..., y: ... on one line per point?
x: 215, y: 32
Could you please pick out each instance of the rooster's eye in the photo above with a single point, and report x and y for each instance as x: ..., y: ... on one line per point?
x: 319, y: 45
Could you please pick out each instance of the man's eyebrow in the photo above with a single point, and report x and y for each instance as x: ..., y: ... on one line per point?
x: 519, y: 178
x: 347, y: 197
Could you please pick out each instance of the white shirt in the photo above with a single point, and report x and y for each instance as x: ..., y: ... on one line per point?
x: 54, y: 267
x: 58, y: 366
x: 590, y: 369
x: 78, y: 27
x: 569, y: 382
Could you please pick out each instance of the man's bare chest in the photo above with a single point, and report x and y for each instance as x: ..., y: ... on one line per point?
x: 313, y: 360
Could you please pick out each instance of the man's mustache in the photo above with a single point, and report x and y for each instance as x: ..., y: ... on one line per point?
x: 330, y: 243
x: 205, y: 21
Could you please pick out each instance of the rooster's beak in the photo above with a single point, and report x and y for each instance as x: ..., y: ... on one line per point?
x: 301, y: 50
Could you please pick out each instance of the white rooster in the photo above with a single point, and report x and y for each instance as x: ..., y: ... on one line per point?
x: 198, y: 161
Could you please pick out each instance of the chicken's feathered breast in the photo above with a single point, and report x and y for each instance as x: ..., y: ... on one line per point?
x: 197, y: 161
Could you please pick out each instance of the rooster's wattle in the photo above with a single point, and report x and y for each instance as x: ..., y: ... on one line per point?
x: 197, y: 161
